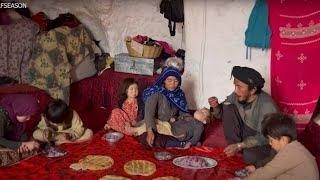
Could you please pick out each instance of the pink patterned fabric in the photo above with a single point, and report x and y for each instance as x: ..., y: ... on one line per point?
x: 122, y: 118
x: 295, y: 57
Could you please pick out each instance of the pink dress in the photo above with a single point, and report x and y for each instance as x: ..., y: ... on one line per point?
x: 120, y: 118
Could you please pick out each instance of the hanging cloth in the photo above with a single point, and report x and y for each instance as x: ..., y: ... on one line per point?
x: 173, y: 10
x: 258, y: 33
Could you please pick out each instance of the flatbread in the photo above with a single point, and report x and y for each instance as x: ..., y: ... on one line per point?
x: 140, y: 167
x: 114, y: 177
x: 166, y: 178
x: 93, y: 162
x: 75, y: 166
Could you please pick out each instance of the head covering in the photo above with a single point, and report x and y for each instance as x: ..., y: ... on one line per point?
x: 174, y: 62
x: 176, y: 97
x: 19, y: 105
x: 248, y: 75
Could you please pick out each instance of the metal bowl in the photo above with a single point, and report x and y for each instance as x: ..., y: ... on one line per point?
x: 112, y: 137
x: 163, y: 155
x: 53, y: 152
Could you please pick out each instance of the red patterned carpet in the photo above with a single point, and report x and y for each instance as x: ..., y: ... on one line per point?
x: 87, y: 97
x: 41, y: 167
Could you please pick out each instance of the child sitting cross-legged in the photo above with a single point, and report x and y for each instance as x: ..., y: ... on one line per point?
x: 293, y: 160
x: 130, y: 108
x: 61, y: 124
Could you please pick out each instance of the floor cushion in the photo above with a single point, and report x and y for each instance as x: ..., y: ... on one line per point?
x: 213, y: 134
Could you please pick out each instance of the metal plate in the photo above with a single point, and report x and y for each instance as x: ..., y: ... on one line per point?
x: 195, y: 162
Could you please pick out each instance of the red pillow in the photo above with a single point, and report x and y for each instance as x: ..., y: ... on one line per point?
x: 310, y: 138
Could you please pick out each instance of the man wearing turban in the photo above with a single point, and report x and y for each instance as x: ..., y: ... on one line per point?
x: 242, y: 113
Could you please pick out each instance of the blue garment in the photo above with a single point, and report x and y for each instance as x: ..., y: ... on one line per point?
x: 258, y: 33
x: 176, y: 97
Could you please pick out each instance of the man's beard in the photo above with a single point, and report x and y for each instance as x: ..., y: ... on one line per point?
x: 242, y: 102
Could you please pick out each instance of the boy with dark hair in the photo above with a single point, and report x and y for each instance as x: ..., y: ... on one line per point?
x: 61, y: 124
x: 279, y: 126
x: 293, y: 160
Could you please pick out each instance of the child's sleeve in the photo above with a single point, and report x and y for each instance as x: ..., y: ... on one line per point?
x: 282, y: 162
x: 77, y: 129
x: 38, y: 133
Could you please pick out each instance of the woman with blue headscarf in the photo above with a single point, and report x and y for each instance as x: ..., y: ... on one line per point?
x: 163, y: 100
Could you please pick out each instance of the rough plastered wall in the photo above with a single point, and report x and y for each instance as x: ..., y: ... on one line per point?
x: 213, y: 36
x: 214, y: 32
x: 110, y: 21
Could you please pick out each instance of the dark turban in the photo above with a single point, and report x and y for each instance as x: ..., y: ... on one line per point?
x: 248, y: 76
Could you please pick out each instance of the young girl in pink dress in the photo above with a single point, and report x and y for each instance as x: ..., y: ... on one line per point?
x: 130, y: 108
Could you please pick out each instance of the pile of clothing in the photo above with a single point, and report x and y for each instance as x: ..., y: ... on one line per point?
x: 48, y: 54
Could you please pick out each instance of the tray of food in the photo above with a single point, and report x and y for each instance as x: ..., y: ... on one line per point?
x: 195, y: 162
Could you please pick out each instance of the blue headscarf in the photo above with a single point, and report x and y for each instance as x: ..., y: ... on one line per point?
x: 175, y: 97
